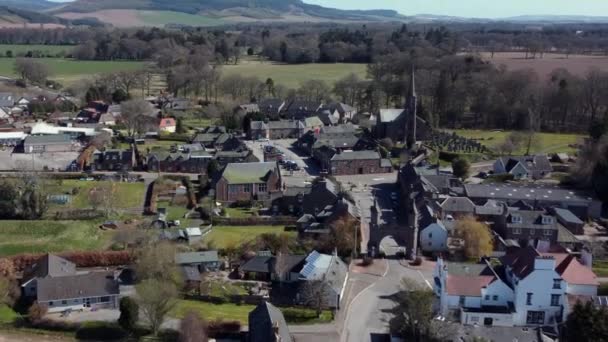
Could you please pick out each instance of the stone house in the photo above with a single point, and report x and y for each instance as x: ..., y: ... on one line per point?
x: 250, y: 182
x: 351, y: 162
x: 193, y: 162
x: 114, y: 160
x: 527, y: 226
x: 283, y: 129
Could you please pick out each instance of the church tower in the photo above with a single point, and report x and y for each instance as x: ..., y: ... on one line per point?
x: 410, y: 112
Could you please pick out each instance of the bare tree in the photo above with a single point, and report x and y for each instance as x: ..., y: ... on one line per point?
x: 31, y: 70
x: 156, y: 298
x: 193, y: 329
x: 157, y: 261
x: 126, y: 80
x: 315, y: 293
x: 103, y: 197
x: 137, y: 116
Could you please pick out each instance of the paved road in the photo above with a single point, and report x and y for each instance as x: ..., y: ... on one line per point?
x: 369, y: 312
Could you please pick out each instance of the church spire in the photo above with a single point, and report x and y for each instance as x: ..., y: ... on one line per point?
x: 412, y: 90
x: 411, y: 111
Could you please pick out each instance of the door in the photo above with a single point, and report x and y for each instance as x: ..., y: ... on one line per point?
x: 360, y: 170
x: 488, y: 321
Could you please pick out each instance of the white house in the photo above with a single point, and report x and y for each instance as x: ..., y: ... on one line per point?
x: 528, y: 167
x: 434, y: 238
x: 526, y: 288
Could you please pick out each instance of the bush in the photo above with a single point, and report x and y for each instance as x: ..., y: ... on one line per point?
x: 297, y: 315
x: 36, y: 312
x: 100, y: 331
x: 129, y: 314
x: 448, y: 156
x: 52, y: 325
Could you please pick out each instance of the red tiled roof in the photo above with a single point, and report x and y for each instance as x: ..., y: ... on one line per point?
x: 467, y: 285
x: 166, y: 122
x: 573, y: 272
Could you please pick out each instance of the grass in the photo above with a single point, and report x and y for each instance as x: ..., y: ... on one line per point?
x: 51, y: 236
x: 24, y: 48
x: 7, y: 315
x: 600, y: 267
x: 174, y: 212
x: 547, y: 142
x: 234, y: 312
x: 239, y: 212
x: 230, y: 236
x: 292, y: 75
x: 198, y: 122
x: 224, y: 289
x: 162, y: 18
x: 69, y: 70
x: 128, y: 195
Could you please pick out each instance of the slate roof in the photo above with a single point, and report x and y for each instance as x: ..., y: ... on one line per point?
x: 537, y: 163
x: 196, y: 257
x: 357, y: 155
x: 248, y: 173
x: 284, y: 124
x: 258, y: 264
x: 458, y: 204
x: 531, y: 219
x: 95, y: 284
x: 191, y: 273
x: 206, y: 137
x: 262, y: 323
x: 567, y: 216
x: 49, y: 266
x: 340, y: 129
x: 57, y: 139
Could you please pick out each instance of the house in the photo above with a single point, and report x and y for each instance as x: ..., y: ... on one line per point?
x: 227, y: 157
x: 55, y: 283
x: 283, y: 129
x: 434, y: 237
x: 250, y: 182
x: 343, y: 112
x: 457, y: 207
x: 207, y: 261
x: 328, y: 118
x: 581, y: 204
x: 331, y: 271
x: 7, y: 100
x: 566, y: 218
x: 351, y: 162
x: 308, y: 200
x: 49, y: 143
x: 107, y: 119
x: 260, y: 267
x: 191, y: 162
x: 114, y: 160
x: 206, y: 139
x: 168, y: 125
x: 320, y: 223
x: 312, y: 123
x: 271, y: 107
x: 337, y: 139
x: 300, y: 109
x: 527, y: 226
x: 267, y: 324
x: 528, y: 167
x: 227, y: 142
x: 191, y: 276
x: 178, y: 104
x: 264, y: 266
x: 522, y: 288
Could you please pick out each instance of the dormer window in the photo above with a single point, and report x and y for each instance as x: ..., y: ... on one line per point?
x: 516, y: 219
x: 547, y: 219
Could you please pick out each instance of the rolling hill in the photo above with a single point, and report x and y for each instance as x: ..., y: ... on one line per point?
x: 17, y: 17
x: 209, y: 12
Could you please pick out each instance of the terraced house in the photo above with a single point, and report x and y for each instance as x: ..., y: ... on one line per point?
x: 250, y: 182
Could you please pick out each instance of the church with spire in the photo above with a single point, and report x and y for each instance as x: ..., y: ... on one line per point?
x: 403, y: 124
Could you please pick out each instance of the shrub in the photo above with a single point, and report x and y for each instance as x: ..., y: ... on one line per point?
x: 298, y: 315
x: 53, y: 325
x: 36, y: 312
x: 100, y: 331
x: 129, y: 314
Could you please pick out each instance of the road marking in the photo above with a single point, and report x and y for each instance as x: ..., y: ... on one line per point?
x: 426, y: 281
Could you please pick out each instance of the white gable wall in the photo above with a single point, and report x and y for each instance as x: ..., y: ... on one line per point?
x: 433, y: 238
x: 540, y: 284
x: 499, y: 289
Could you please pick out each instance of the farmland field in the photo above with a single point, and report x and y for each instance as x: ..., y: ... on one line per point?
x: 548, y: 142
x: 69, y: 70
x: 134, y: 18
x: 128, y: 195
x: 50, y: 236
x: 47, y: 49
x: 576, y: 64
x: 292, y: 75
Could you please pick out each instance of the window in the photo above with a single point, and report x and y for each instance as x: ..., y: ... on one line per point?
x: 64, y: 302
x: 247, y: 188
x: 555, y: 300
x: 547, y: 232
x: 233, y: 189
x: 535, y: 317
x: 557, y: 283
x: 51, y: 303
x: 104, y: 299
x: 529, y: 298
x: 487, y: 297
x: 461, y: 300
x: 430, y: 235
x: 474, y: 319
x: 494, y: 297
x: 547, y: 219
x: 262, y: 187
x: 516, y: 231
x: 515, y: 219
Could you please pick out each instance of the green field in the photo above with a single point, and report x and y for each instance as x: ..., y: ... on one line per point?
x: 548, y: 142
x: 128, y: 195
x: 292, y: 75
x: 46, y: 49
x: 162, y: 18
x: 225, y: 236
x: 69, y: 70
x: 50, y: 236
x: 600, y: 267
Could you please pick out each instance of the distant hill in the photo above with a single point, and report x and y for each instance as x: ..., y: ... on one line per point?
x: 213, y: 11
x: 30, y: 5
x: 17, y: 17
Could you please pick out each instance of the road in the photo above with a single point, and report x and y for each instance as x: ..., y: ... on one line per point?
x: 369, y: 313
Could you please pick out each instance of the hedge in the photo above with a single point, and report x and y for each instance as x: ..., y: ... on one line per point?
x: 81, y: 259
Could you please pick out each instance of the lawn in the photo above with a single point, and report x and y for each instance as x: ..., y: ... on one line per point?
x: 234, y: 312
x: 128, y: 195
x: 7, y: 315
x: 292, y: 75
x: 548, y: 142
x: 230, y: 236
x: 69, y: 70
x: 600, y: 267
x: 51, y: 236
x: 174, y: 212
x: 223, y: 289
x: 24, y: 48
x: 240, y: 212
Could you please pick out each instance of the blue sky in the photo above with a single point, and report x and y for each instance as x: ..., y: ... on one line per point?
x: 477, y: 8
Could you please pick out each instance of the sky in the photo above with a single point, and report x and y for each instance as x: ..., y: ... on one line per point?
x: 477, y: 8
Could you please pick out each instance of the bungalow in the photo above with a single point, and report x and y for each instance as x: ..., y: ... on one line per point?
x: 263, y: 266
x: 331, y: 271
x: 204, y: 261
x: 250, y: 182
x: 267, y: 324
x: 167, y: 125
x: 528, y: 167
